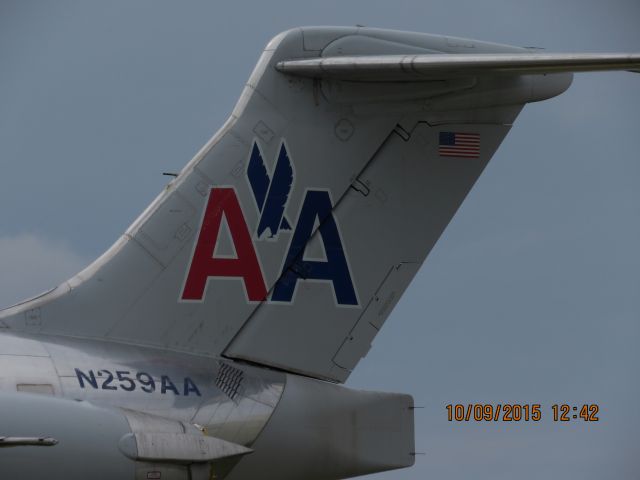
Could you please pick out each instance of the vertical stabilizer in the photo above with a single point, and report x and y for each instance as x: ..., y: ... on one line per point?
x: 292, y: 234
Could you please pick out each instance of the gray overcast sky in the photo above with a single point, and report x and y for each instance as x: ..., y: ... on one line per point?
x: 530, y: 296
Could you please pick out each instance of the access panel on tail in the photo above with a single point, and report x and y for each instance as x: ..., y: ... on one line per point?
x: 292, y: 234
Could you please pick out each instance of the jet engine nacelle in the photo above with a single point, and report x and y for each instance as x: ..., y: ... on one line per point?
x: 323, y: 431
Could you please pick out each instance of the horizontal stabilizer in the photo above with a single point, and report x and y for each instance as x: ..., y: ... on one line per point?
x: 438, y: 66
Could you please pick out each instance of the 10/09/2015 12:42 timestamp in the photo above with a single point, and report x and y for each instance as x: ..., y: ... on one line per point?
x: 516, y: 412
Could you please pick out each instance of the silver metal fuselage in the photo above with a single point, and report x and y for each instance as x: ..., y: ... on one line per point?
x: 229, y: 402
x: 131, y: 412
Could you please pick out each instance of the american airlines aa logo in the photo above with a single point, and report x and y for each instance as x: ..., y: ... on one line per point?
x: 271, y: 192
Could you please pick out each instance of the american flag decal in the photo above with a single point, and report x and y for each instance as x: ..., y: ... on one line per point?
x: 460, y: 145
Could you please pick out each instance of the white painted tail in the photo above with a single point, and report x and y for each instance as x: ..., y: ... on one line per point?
x: 290, y: 237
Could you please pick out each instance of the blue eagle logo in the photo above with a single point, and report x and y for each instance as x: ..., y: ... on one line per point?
x: 271, y: 193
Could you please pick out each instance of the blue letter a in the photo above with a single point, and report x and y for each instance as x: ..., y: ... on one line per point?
x: 317, y: 204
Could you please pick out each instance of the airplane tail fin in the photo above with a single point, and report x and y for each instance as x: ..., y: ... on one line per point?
x: 292, y: 234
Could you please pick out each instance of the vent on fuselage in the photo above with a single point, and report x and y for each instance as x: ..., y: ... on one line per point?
x: 229, y: 380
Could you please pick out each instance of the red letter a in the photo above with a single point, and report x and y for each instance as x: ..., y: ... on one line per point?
x: 224, y: 201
